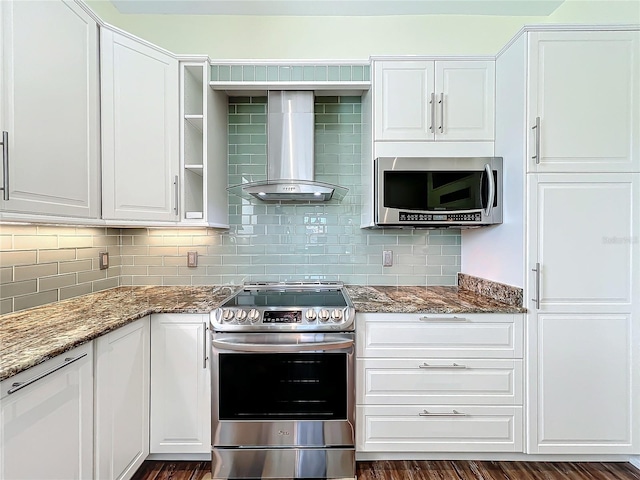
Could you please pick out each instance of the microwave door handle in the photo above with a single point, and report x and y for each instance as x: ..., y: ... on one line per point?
x: 488, y: 175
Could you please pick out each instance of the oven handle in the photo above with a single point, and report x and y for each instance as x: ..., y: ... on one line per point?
x: 279, y: 347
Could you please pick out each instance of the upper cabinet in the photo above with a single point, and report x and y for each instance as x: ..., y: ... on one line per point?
x: 140, y: 134
x: 434, y: 100
x: 583, y: 102
x: 49, y: 105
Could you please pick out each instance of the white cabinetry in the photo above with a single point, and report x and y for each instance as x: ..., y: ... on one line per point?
x: 203, y: 148
x: 49, y: 109
x: 584, y: 335
x: 47, y: 420
x: 439, y: 383
x: 180, y: 384
x: 122, y: 401
x: 140, y: 134
x: 571, y: 232
x: 584, y: 92
x: 426, y: 101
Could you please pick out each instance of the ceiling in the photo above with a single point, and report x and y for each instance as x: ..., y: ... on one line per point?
x: 339, y: 7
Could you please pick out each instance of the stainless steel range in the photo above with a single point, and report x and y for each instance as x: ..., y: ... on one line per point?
x: 283, y: 390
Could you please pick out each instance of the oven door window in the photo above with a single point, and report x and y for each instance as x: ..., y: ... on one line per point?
x: 282, y: 386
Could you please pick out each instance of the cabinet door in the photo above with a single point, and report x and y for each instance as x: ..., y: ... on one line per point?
x: 180, y: 384
x: 47, y: 426
x: 584, y: 89
x: 586, y: 391
x: 465, y: 100
x: 50, y: 108
x: 140, y: 134
x: 585, y: 238
x: 403, y: 100
x: 122, y: 400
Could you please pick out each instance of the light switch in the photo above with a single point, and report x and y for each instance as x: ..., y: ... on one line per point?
x: 104, y: 260
x: 387, y: 258
x: 192, y: 259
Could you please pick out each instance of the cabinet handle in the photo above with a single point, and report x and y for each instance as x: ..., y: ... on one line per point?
x: 205, y: 357
x: 455, y: 365
x: 176, y: 186
x: 537, y: 299
x: 454, y: 413
x: 536, y: 127
x: 443, y: 319
x: 20, y: 385
x: 5, y: 165
x: 433, y: 113
x: 441, y: 102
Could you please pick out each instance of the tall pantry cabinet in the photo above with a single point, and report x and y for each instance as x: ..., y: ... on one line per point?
x: 568, y: 127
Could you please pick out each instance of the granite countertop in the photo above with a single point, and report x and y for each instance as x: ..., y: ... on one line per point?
x: 410, y: 299
x: 32, y: 336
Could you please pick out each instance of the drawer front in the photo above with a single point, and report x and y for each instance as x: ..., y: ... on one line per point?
x: 437, y: 381
x: 439, y: 429
x: 444, y: 336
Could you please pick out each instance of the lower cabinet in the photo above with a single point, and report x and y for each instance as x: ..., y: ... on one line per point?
x: 180, y: 384
x: 46, y: 414
x: 439, y: 383
x: 122, y: 401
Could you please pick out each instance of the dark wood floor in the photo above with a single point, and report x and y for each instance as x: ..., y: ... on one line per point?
x: 429, y: 470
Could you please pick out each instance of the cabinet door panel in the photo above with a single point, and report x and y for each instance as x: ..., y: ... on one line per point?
x: 402, y: 95
x: 584, y: 371
x: 47, y: 427
x: 586, y: 239
x: 584, y: 87
x: 50, y: 108
x: 180, y: 385
x: 122, y: 400
x: 467, y: 92
x: 140, y: 134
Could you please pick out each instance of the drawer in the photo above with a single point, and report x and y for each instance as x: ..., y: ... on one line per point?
x: 437, y: 381
x: 427, y: 428
x: 444, y: 336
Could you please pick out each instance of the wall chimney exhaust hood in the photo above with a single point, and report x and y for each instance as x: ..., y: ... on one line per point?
x: 290, y: 154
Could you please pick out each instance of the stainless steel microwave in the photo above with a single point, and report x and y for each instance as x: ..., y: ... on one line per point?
x: 459, y: 192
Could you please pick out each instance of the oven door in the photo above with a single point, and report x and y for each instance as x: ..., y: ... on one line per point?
x: 283, y: 390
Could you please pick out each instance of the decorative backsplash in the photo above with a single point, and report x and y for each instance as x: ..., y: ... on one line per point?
x: 289, y: 73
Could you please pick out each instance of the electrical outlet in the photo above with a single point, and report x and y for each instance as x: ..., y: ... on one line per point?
x: 192, y: 259
x: 387, y: 258
x: 104, y: 260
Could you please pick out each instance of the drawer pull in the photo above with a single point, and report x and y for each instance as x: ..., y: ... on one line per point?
x: 455, y: 365
x: 443, y: 319
x: 454, y: 413
x: 20, y: 385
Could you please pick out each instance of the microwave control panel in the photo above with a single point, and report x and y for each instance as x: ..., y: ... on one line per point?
x: 439, y: 217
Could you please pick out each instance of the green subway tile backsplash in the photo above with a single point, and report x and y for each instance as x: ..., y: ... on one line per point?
x: 281, y: 242
x: 288, y: 72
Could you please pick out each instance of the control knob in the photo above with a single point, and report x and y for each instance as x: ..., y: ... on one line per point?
x: 336, y: 315
x: 310, y: 315
x: 241, y: 315
x: 323, y: 315
x: 254, y: 315
x: 227, y: 315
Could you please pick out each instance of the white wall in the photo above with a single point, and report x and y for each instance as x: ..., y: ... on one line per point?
x: 281, y: 37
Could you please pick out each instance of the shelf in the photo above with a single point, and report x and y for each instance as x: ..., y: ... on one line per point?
x: 197, y: 169
x: 196, y: 120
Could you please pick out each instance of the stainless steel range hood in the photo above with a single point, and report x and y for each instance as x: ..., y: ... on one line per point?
x: 290, y: 154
